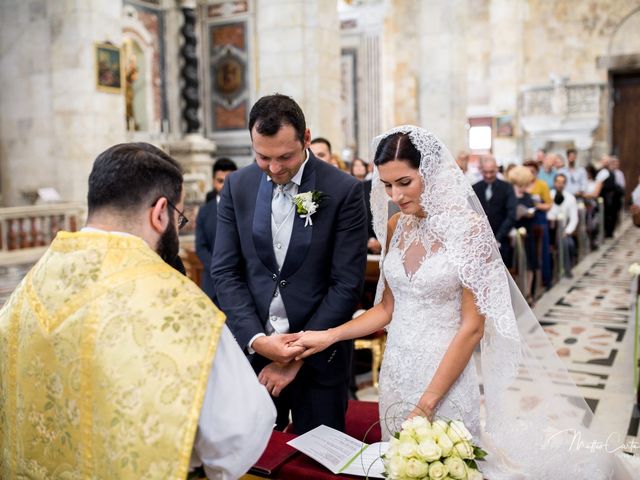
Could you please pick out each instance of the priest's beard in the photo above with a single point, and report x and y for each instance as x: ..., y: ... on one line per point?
x: 168, y: 243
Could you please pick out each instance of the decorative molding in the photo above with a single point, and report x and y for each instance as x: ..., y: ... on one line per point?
x: 562, y: 112
x: 227, y: 9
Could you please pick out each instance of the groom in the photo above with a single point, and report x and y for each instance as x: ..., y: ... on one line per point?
x: 277, y: 273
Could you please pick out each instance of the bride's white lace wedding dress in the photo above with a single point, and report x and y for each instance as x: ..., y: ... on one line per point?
x: 532, y: 412
x: 427, y: 297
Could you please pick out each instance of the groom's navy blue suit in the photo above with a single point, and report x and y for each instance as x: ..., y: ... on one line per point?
x: 320, y: 282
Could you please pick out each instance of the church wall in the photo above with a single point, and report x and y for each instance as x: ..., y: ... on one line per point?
x: 53, y: 121
x: 298, y: 54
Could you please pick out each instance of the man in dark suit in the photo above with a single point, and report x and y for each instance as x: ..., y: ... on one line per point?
x: 499, y: 202
x: 278, y: 271
x: 206, y: 222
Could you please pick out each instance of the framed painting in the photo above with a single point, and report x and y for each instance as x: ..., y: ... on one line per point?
x: 505, y: 125
x: 108, y: 68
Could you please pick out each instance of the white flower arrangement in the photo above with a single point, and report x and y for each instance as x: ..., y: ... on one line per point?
x: 436, y: 450
x: 634, y: 269
x: 307, y: 204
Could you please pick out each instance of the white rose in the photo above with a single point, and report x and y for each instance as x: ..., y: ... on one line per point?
x: 425, y: 433
x: 440, y: 426
x: 634, y: 269
x: 458, y: 432
x: 408, y: 447
x: 396, y: 467
x: 463, y: 450
x: 407, y: 434
x: 305, y: 197
x: 419, y: 422
x: 429, y: 450
x: 457, y: 468
x: 445, y: 443
x: 437, y: 471
x: 416, y: 468
x: 406, y: 426
x: 473, y: 474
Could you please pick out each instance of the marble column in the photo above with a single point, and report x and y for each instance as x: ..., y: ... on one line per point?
x: 506, y: 69
x: 442, y: 60
x: 298, y: 54
x: 53, y: 120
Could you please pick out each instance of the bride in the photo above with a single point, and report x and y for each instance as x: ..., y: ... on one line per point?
x: 443, y: 292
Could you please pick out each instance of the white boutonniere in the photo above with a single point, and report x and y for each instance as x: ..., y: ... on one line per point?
x: 307, y: 204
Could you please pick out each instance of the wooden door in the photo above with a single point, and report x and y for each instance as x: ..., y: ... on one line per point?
x: 626, y: 126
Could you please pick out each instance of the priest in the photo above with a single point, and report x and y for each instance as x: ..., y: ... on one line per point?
x: 113, y: 364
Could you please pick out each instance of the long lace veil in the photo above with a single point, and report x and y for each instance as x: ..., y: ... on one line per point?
x: 535, y: 418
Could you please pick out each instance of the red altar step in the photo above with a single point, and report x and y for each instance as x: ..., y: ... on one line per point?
x: 283, y: 462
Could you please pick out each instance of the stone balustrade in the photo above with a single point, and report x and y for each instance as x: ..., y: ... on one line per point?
x: 26, y: 232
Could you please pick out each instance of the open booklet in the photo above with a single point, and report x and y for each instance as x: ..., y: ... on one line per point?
x: 341, y: 453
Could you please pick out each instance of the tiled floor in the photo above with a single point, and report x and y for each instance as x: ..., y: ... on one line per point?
x: 589, y: 320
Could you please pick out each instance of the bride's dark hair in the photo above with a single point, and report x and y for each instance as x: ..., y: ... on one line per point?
x: 397, y: 146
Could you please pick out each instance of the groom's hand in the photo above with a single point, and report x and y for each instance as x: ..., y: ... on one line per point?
x: 278, y: 348
x: 276, y: 376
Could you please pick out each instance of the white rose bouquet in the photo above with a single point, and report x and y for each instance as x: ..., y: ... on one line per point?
x: 307, y: 204
x: 435, y: 450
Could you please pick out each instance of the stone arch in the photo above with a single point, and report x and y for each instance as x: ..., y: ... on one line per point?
x: 625, y: 37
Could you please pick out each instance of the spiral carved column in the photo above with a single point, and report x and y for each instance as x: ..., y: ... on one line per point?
x: 189, y: 73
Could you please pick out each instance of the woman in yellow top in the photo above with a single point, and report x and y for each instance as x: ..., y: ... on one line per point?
x: 542, y: 201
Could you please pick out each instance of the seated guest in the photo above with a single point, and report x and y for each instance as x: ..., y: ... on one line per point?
x: 635, y: 205
x: 521, y: 178
x: 207, y: 220
x: 337, y: 162
x: 359, y: 169
x: 542, y: 200
x: 565, y: 205
x: 114, y: 365
x: 499, y: 203
x: 321, y: 148
x: 635, y: 195
x: 548, y: 171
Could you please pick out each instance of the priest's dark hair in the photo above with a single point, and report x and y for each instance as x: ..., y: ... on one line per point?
x: 272, y: 112
x: 129, y: 176
x: 397, y: 146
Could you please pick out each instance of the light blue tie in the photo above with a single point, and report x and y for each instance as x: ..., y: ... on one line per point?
x: 282, y: 203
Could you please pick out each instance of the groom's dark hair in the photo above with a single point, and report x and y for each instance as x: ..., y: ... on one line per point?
x: 270, y: 113
x: 397, y: 146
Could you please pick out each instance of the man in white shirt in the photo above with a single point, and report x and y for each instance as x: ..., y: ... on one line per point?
x: 614, y: 166
x: 576, y: 176
x: 565, y: 212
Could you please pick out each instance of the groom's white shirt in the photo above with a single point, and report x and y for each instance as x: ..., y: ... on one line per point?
x: 237, y: 415
x: 281, y: 236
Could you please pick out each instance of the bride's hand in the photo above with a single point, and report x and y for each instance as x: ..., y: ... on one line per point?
x: 314, y: 342
x: 426, y: 406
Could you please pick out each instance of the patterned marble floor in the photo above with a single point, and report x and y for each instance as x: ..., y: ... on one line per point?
x: 589, y: 321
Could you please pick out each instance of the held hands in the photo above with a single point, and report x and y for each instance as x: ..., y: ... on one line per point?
x: 278, y: 348
x: 313, y: 342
